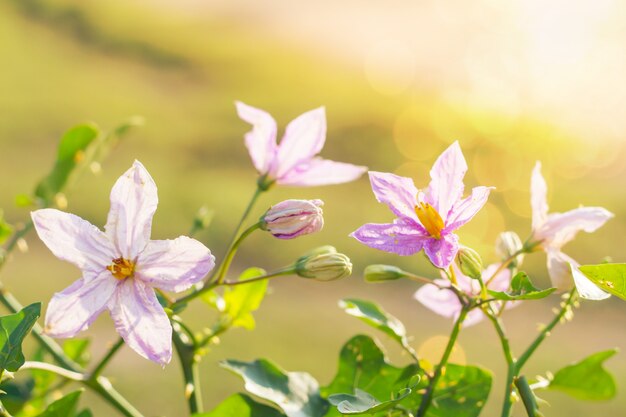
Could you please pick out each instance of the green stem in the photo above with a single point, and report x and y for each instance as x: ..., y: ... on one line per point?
x: 510, y: 360
x: 107, y: 358
x: 506, y: 263
x: 528, y: 397
x: 103, y: 386
x: 430, y: 390
x: 48, y: 367
x: 186, y: 354
x: 12, y: 243
x: 232, y: 251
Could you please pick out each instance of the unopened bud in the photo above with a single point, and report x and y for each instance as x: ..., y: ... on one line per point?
x: 470, y: 262
x: 292, y: 218
x: 379, y: 273
x: 507, y: 245
x: 325, y: 266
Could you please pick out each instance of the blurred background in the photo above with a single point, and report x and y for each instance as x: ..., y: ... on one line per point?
x: 514, y: 82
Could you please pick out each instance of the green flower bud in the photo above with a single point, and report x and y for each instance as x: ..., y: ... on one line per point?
x: 324, y: 264
x: 470, y: 262
x: 507, y: 244
x: 380, y: 273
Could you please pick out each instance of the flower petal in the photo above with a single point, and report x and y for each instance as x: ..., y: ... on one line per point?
x: 133, y: 203
x: 499, y: 282
x: 141, y: 321
x: 318, y: 171
x: 174, y: 265
x: 76, y: 307
x: 261, y: 140
x: 398, y: 237
x: 560, y: 228
x: 441, y: 252
x: 304, y: 138
x: 398, y: 193
x: 464, y: 210
x: 538, y: 197
x: 442, y: 301
x: 75, y: 240
x: 446, y: 185
x: 587, y: 289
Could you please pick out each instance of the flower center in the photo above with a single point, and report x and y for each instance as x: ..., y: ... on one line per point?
x: 122, y: 268
x: 430, y: 219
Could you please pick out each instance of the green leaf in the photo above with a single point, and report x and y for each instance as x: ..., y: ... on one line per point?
x: 296, y: 393
x: 241, y: 405
x: 77, y: 350
x: 241, y: 300
x: 70, y: 153
x: 522, y: 288
x: 363, y: 366
x: 6, y: 229
x: 63, y: 407
x: 378, y: 318
x: 13, y: 329
x: 85, y: 413
x: 462, y: 391
x: 610, y: 277
x: 363, y: 403
x: 587, y: 379
x: 17, y: 394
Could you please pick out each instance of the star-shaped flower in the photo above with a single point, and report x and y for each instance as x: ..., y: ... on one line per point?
x: 121, y: 267
x: 426, y: 218
x: 293, y: 161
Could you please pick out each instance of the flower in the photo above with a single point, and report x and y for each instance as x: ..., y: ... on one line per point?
x: 426, y: 218
x: 293, y: 161
x: 443, y: 301
x: 121, y: 267
x: 292, y: 218
x: 552, y: 231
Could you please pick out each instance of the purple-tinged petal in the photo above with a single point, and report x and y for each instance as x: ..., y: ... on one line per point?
x: 398, y: 193
x: 538, y: 197
x: 464, y: 210
x: 399, y: 237
x: 560, y: 228
x: 318, y: 171
x: 559, y: 269
x: 141, y: 321
x: 75, y: 240
x: 444, y: 302
x: 76, y: 307
x: 499, y: 282
x: 261, y: 140
x: 304, y: 138
x: 174, y: 265
x: 133, y: 203
x: 587, y: 289
x: 441, y: 252
x: 446, y: 185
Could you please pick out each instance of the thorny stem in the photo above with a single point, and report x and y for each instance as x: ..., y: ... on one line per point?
x: 428, y: 395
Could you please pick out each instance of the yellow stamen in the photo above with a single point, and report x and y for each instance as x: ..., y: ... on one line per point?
x: 430, y: 219
x: 122, y: 268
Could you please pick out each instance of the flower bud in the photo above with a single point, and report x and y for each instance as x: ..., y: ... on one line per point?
x: 292, y: 218
x: 470, y: 262
x: 379, y: 273
x: 324, y: 265
x: 507, y: 244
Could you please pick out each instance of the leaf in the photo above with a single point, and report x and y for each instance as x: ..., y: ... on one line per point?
x: 462, y: 391
x: 363, y: 403
x: 296, y: 393
x: 241, y: 300
x: 17, y: 394
x: 378, y: 318
x: 241, y: 405
x: 85, y: 413
x: 13, y: 329
x: 70, y: 153
x: 610, y: 277
x: 522, y: 288
x: 77, y: 350
x: 5, y: 229
x: 363, y: 366
x: 63, y: 407
x: 587, y: 379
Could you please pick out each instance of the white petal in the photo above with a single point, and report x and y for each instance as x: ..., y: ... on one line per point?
x: 133, y: 203
x: 261, y: 140
x: 559, y: 269
x: 446, y: 185
x: 75, y: 240
x: 560, y: 228
x: 586, y: 288
x: 141, y: 321
x: 174, y: 265
x: 319, y: 171
x: 75, y: 308
x: 538, y: 197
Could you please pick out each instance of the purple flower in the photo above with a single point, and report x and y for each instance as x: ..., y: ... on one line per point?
x: 426, y: 218
x: 121, y: 267
x: 552, y: 231
x: 292, y: 218
x: 294, y: 160
x: 443, y: 301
